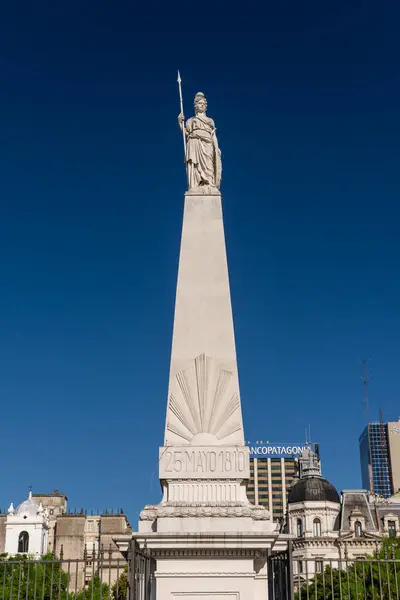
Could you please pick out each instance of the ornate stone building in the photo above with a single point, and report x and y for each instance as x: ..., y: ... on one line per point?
x: 49, y: 527
x: 327, y: 526
x: 26, y: 529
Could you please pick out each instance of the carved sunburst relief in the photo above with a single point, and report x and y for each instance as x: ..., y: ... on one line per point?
x: 204, y: 405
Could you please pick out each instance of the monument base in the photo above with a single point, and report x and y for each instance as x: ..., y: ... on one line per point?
x: 208, y: 550
x: 211, y: 565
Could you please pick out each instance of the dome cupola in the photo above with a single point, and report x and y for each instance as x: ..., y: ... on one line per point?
x: 312, y: 487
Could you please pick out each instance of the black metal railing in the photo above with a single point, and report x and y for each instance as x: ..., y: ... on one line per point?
x: 361, y: 578
x: 370, y: 577
x: 141, y: 573
x: 280, y: 575
x: 97, y: 576
x: 106, y: 575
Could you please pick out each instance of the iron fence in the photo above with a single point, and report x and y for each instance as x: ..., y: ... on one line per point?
x: 141, y: 574
x: 104, y: 576
x: 357, y: 578
x: 97, y: 576
x: 374, y: 577
x: 280, y: 575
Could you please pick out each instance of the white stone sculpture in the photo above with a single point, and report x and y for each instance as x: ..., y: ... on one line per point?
x: 203, y: 156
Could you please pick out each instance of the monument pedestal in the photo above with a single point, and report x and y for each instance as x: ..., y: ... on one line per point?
x: 208, y: 550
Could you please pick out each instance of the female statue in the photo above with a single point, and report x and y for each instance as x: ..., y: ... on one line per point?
x: 203, y: 156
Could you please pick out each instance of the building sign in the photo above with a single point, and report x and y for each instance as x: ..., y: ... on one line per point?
x: 275, y: 451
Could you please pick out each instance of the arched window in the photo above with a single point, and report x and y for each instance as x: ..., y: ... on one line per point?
x: 392, y: 528
x: 299, y: 528
x: 23, y: 542
x: 358, y: 529
x: 317, y: 528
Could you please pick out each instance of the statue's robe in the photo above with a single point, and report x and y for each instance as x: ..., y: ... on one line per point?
x: 203, y: 158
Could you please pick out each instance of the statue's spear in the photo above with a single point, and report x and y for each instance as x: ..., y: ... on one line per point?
x: 181, y: 103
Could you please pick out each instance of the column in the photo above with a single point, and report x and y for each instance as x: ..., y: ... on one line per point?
x: 283, y: 475
x: 255, y: 480
x: 269, y: 486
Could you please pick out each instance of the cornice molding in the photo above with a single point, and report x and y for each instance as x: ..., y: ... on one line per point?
x: 198, y: 509
x: 241, y: 574
x: 209, y: 553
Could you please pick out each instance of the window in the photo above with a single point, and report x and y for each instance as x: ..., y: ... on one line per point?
x: 299, y: 528
x: 358, y: 529
x: 23, y: 542
x: 319, y: 566
x: 392, y: 528
x: 300, y: 566
x: 317, y: 528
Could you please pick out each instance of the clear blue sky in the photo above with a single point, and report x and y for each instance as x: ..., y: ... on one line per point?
x: 306, y: 99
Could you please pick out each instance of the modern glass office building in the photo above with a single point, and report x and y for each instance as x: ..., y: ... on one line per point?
x: 270, y: 481
x: 375, y: 460
x: 274, y: 468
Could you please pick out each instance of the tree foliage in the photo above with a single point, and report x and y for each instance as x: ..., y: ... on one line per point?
x: 374, y: 577
x: 22, y: 578
x: 120, y: 587
x: 95, y: 590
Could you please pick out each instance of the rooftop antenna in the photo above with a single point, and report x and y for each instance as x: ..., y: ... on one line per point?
x: 366, y: 378
x: 308, y: 435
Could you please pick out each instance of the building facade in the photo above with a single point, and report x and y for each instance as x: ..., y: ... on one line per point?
x: 393, y: 433
x: 380, y: 458
x: 26, y: 529
x: 274, y: 468
x: 269, y: 483
x: 56, y: 505
x: 326, y: 526
x: 43, y: 524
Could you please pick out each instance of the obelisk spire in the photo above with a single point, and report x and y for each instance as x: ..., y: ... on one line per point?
x: 204, y: 400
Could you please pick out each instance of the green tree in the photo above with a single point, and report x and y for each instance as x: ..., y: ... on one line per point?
x: 120, y: 587
x: 369, y: 579
x: 390, y: 548
x: 94, y: 590
x: 24, y: 578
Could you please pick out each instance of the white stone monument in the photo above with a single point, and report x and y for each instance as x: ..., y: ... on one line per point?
x: 209, y: 542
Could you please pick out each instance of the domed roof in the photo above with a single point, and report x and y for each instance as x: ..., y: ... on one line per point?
x: 313, y: 489
x: 28, y: 507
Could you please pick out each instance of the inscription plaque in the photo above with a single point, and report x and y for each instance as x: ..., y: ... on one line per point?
x: 204, y: 462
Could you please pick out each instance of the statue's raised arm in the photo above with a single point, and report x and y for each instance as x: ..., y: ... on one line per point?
x: 203, y: 156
